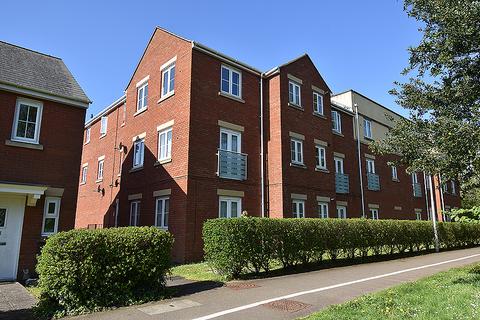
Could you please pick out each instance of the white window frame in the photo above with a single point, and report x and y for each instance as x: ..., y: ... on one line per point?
x: 341, y: 208
x: 134, y: 204
x: 394, y: 173
x: 142, y: 97
x: 373, y: 213
x: 418, y: 215
x: 169, y: 71
x: 229, y: 201
x: 138, y: 159
x: 337, y: 122
x: 367, y: 129
x: 38, y: 120
x: 84, y: 174
x: 453, y: 187
x: 318, y: 106
x: 47, y: 215
x: 162, y: 214
x: 370, y: 163
x: 296, y: 151
x: 296, y: 205
x: 100, y: 168
x: 322, y: 209
x: 231, y: 71
x: 87, y: 135
x: 338, y: 165
x: 320, y: 157
x: 292, y: 97
x: 414, y: 177
x: 5, y: 220
x: 103, y: 126
x: 165, y: 152
x: 230, y: 134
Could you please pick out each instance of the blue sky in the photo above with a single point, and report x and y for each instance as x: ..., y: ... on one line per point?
x: 354, y: 44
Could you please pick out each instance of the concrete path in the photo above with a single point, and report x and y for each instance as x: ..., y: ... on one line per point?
x: 293, y: 296
x: 15, y: 301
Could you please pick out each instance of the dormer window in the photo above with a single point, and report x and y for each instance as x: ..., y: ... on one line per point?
x: 231, y: 81
x: 28, y: 116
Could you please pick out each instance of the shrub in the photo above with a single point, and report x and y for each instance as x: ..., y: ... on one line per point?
x: 234, y: 246
x: 86, y: 270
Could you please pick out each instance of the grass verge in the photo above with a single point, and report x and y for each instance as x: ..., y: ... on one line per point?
x: 454, y: 294
x: 197, y: 271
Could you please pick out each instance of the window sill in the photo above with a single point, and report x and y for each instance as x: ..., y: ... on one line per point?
x: 82, y: 183
x: 338, y: 133
x: 295, y: 106
x: 231, y: 96
x: 135, y: 169
x: 103, y: 135
x: 34, y: 146
x: 165, y: 97
x: 298, y: 165
x: 322, y: 170
x: 98, y: 180
x: 160, y: 162
x: 140, y: 111
x: 86, y: 143
x: 123, y: 124
x: 322, y: 116
x: 395, y: 180
x: 368, y: 139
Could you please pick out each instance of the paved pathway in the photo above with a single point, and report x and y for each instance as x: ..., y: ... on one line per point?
x: 292, y: 296
x: 15, y: 301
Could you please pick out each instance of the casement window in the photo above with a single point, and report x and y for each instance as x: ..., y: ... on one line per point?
x: 394, y: 173
x: 320, y: 156
x: 103, y: 126
x: 338, y: 165
x: 134, y: 213
x: 370, y: 166
x: 231, y: 81
x: 138, y: 153
x: 427, y: 181
x: 230, y: 140
x: 298, y: 208
x: 165, y: 144
x: 28, y: 117
x: 142, y: 96
x: 100, y: 166
x: 294, y: 93
x: 84, y: 173
x: 87, y: 136
x: 414, y: 178
x: 367, y: 128
x: 51, y: 213
x: 297, y: 151
x: 342, y: 212
x: 317, y: 103
x: 374, y: 213
x: 168, y: 80
x: 418, y: 215
x: 337, y: 121
x: 229, y: 207
x: 452, y: 185
x: 162, y: 207
x: 322, y: 209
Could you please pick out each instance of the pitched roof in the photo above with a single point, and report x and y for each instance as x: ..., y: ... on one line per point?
x: 27, y: 69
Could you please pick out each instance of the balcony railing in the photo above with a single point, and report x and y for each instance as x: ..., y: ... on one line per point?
x: 231, y: 165
x: 417, y: 190
x: 341, y: 183
x: 373, y: 181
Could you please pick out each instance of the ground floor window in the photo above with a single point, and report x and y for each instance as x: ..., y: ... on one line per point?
x: 323, y: 210
x: 229, y: 207
x: 51, y: 213
x: 429, y: 214
x: 161, y: 212
x: 298, y: 208
x: 342, y: 212
x: 418, y: 215
x: 374, y: 214
x: 134, y: 212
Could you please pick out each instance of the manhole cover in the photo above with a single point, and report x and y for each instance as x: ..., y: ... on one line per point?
x: 287, y: 305
x: 241, y: 285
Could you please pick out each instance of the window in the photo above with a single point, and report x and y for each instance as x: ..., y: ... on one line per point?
x: 231, y: 82
x: 100, y: 168
x: 3, y: 217
x: 294, y: 93
x: 320, y: 157
x: 444, y: 187
x: 322, y: 209
x: 84, y: 173
x: 367, y: 128
x: 297, y: 151
x: 418, y: 215
x: 342, y: 212
x: 370, y: 166
x: 374, y: 213
x: 427, y: 181
x: 138, y: 153
x: 161, y: 212
x: 124, y: 117
x: 103, y: 126
x: 429, y: 214
x: 298, y: 208
x: 87, y: 135
x: 50, y: 216
x: 28, y: 115
x: 394, y: 173
x: 168, y: 80
x: 338, y: 165
x: 414, y: 178
x: 337, y: 122
x: 452, y: 184
x: 142, y: 96
x: 229, y: 207
x: 165, y: 144
x: 230, y: 140
x: 317, y: 103
x: 134, y: 213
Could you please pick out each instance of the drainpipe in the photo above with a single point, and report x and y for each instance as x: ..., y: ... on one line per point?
x: 426, y: 190
x: 359, y: 159
x: 262, y: 175
x: 434, y: 216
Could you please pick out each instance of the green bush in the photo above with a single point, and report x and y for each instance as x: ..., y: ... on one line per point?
x: 238, y: 245
x: 86, y: 270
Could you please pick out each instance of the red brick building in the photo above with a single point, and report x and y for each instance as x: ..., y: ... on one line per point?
x: 200, y: 135
x: 41, y: 129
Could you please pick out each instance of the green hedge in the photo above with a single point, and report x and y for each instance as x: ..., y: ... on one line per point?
x: 86, y: 270
x: 234, y: 246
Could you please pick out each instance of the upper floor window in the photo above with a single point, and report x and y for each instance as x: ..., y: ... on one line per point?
x: 320, y: 156
x: 297, y: 151
x: 367, y: 128
x: 165, y: 144
x: 231, y: 82
x: 142, y: 96
x: 28, y: 116
x: 161, y: 212
x: 322, y: 209
x: 168, y: 80
x: 452, y: 184
x: 394, y: 173
x: 298, y: 208
x: 370, y: 166
x: 337, y: 121
x: 138, y: 153
x: 51, y: 212
x: 230, y: 140
x: 338, y: 165
x: 414, y: 177
x: 87, y: 135
x: 294, y: 93
x: 317, y: 103
x: 84, y: 173
x: 103, y: 126
x: 101, y: 162
x: 229, y: 207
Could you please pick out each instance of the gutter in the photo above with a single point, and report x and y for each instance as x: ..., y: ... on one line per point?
x: 106, y: 110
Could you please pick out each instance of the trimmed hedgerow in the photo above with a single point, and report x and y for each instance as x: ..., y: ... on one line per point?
x: 87, y: 270
x: 247, y: 244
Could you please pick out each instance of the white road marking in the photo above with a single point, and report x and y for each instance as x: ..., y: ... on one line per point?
x: 301, y: 293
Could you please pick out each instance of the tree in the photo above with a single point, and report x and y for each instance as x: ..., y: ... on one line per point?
x: 442, y: 134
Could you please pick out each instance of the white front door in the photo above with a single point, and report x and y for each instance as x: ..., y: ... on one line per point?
x: 11, y: 220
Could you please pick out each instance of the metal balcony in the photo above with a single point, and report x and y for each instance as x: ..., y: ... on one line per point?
x: 373, y: 181
x: 231, y: 165
x: 417, y: 190
x: 341, y: 183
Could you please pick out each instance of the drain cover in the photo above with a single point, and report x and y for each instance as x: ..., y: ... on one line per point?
x: 241, y: 285
x: 287, y: 305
